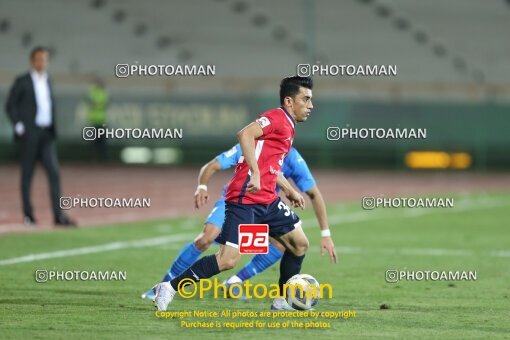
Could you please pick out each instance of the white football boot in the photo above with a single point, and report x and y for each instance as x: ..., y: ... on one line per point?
x: 150, y: 294
x: 236, y: 289
x: 281, y: 304
x: 164, y: 295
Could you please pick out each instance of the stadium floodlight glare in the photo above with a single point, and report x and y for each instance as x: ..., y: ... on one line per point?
x: 167, y: 155
x: 461, y: 160
x: 136, y: 155
x: 427, y: 160
x: 438, y: 160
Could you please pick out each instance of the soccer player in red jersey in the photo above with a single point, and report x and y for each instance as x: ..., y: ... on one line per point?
x: 251, y: 194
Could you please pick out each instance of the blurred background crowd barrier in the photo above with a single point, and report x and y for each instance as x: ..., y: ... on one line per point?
x: 452, y: 60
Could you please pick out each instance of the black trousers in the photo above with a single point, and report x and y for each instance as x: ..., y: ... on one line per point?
x: 39, y: 144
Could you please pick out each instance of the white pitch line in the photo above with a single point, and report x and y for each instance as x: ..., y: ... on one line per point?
x: 149, y: 242
x: 501, y: 253
x: 411, y: 251
x: 437, y: 252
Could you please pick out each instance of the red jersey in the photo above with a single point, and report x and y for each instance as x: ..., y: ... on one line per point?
x: 270, y: 150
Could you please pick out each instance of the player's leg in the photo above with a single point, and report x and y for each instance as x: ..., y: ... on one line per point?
x: 204, y: 268
x: 296, y: 245
x: 50, y: 162
x: 285, y: 226
x: 188, y: 255
x: 257, y: 265
x: 208, y: 266
x: 192, y: 251
x: 29, y: 152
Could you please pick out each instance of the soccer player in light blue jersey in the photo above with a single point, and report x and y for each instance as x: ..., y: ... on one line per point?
x: 294, y: 167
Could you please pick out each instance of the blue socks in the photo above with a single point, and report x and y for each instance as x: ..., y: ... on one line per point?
x: 260, y: 262
x: 188, y: 255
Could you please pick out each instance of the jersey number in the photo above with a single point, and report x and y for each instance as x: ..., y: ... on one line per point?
x: 282, y: 205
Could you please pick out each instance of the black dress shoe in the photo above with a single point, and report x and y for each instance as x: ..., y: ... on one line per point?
x: 29, y: 221
x: 65, y: 221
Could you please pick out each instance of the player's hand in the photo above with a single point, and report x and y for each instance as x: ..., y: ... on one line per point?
x: 19, y: 128
x: 254, y: 183
x: 327, y: 243
x: 296, y: 199
x: 201, y: 198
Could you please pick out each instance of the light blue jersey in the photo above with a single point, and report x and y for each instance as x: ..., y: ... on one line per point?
x: 294, y: 167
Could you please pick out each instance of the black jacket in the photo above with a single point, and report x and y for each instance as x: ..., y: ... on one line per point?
x: 22, y: 106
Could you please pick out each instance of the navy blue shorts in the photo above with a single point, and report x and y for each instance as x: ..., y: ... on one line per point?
x: 280, y: 218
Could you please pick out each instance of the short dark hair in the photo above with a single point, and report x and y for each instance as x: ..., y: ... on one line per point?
x: 289, y: 86
x: 36, y: 50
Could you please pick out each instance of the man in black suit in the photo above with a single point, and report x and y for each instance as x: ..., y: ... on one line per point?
x: 31, y: 109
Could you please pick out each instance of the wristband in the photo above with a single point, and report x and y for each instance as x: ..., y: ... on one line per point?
x: 202, y: 186
x: 326, y: 233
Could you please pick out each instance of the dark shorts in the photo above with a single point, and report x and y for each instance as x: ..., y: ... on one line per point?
x: 280, y: 218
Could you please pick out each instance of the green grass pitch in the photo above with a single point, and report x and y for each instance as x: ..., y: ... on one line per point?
x: 472, y: 236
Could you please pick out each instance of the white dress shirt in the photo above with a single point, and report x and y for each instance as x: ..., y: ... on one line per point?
x: 43, y: 98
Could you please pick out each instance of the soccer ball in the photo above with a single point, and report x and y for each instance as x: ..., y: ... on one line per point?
x: 304, y: 294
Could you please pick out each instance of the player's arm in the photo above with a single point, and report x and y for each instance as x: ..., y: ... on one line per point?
x: 204, y: 176
x: 319, y: 207
x: 295, y: 198
x: 246, y: 139
x: 12, y: 104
